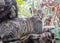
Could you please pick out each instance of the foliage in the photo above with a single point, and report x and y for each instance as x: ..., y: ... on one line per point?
x: 23, y: 8
x: 20, y: 2
x: 25, y: 5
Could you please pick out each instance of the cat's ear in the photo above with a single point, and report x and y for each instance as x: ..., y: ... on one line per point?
x: 34, y: 11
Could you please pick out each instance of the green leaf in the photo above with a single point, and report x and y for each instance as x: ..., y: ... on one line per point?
x: 19, y: 2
